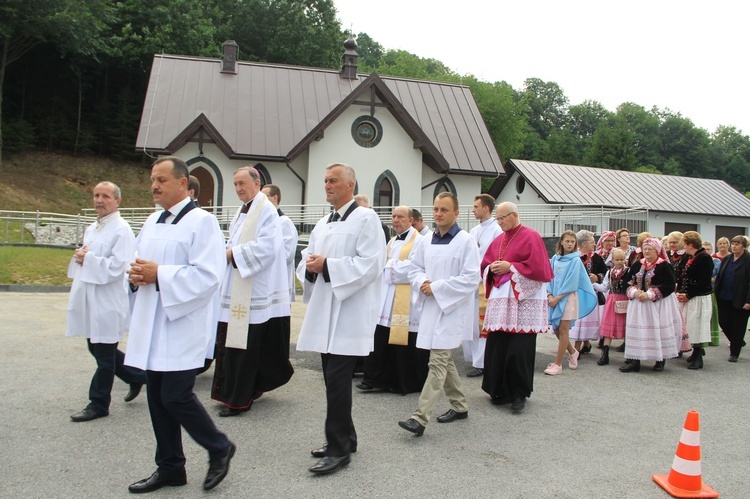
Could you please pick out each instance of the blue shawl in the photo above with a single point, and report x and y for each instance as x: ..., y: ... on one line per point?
x: 570, y: 276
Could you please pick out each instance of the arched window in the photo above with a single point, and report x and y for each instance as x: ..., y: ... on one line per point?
x: 387, y: 191
x: 265, y: 177
x: 444, y: 185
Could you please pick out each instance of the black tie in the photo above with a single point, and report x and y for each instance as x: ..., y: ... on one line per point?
x: 402, y: 237
x: 335, y: 217
x: 163, y: 217
x: 245, y: 208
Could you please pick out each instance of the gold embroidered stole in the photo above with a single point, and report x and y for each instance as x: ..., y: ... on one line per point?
x: 401, y: 300
x: 482, y: 304
x: 242, y: 289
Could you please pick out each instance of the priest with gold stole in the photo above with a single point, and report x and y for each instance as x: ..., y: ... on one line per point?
x: 396, y: 364
x: 252, y: 338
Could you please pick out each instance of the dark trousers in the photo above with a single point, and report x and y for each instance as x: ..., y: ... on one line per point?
x: 109, y: 363
x: 337, y: 374
x: 172, y: 405
x: 733, y: 322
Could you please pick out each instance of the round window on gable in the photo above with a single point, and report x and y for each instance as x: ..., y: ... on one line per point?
x: 520, y: 184
x: 367, y: 131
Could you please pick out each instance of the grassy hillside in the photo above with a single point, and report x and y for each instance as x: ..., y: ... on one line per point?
x: 63, y: 184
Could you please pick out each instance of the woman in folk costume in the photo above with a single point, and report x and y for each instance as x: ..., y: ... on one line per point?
x: 587, y: 328
x: 569, y: 296
x: 613, y: 318
x: 605, y: 245
x: 694, y: 293
x: 653, y: 326
x: 622, y: 237
x: 678, y: 258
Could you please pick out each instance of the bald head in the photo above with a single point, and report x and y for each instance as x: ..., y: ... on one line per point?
x: 403, y: 217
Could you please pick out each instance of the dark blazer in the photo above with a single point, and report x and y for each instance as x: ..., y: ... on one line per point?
x: 598, y: 267
x: 696, y: 279
x: 741, y: 284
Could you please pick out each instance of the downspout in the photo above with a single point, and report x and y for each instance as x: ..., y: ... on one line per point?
x: 302, y: 204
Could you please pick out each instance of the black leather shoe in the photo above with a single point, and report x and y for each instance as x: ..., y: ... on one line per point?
x: 413, y: 426
x: 218, y: 469
x: 330, y: 464
x: 452, y: 415
x: 621, y: 348
x: 133, y: 392
x: 364, y: 386
x: 86, y: 415
x: 323, y: 451
x: 631, y: 367
x: 228, y: 412
x: 157, y: 481
x: 518, y: 405
x: 732, y: 358
x: 659, y: 366
x: 586, y: 349
x: 474, y: 372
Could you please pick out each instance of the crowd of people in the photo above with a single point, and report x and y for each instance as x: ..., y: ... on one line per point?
x: 394, y: 307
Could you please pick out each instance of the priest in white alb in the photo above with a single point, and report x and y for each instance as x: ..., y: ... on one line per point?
x: 445, y: 271
x: 252, y: 338
x: 289, y: 233
x: 396, y: 364
x: 341, y: 271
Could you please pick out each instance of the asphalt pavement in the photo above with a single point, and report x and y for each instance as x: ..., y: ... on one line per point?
x: 589, y: 433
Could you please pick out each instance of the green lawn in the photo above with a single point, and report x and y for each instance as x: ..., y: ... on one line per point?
x: 34, y: 266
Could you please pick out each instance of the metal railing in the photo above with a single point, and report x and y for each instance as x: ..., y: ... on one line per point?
x: 549, y: 220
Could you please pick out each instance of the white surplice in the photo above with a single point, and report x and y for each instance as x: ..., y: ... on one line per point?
x: 453, y: 271
x: 291, y: 237
x: 483, y: 234
x: 98, y: 306
x: 171, y: 328
x: 342, y: 314
x: 264, y: 259
x: 397, y: 272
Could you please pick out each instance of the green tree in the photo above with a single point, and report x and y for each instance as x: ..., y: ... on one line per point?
x: 370, y: 52
x: 546, y: 104
x: 645, y: 127
x: 730, y: 153
x: 613, y: 146
x: 70, y: 25
x: 687, y: 146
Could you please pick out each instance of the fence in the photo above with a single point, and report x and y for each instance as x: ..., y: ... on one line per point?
x: 549, y: 220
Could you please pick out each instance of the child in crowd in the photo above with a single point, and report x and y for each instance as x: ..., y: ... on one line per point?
x: 613, y: 318
x: 570, y: 296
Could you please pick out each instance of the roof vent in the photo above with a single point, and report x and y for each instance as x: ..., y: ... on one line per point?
x: 229, y: 51
x: 349, y: 69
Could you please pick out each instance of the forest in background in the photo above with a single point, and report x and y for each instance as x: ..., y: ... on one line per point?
x: 73, y: 77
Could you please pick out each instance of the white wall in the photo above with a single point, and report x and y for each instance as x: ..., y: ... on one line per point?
x: 706, y: 223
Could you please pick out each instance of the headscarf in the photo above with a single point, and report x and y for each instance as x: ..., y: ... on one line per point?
x: 600, y: 244
x: 655, y: 243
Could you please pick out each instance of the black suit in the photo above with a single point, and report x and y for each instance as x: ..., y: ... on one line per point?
x: 732, y: 317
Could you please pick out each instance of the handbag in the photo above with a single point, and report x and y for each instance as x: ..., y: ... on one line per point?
x: 601, y: 298
x: 621, y: 306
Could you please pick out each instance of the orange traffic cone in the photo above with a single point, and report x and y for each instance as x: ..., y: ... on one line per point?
x: 684, y: 480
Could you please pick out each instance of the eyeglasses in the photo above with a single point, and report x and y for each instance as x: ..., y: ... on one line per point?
x: 503, y: 217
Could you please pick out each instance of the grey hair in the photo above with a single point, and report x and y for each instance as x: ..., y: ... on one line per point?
x: 584, y: 235
x: 348, y: 170
x: 116, y: 192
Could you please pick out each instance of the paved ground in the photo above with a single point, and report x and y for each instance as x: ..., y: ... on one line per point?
x: 590, y: 433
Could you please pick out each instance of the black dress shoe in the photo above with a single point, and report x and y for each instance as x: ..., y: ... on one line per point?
x: 732, y: 358
x: 413, y: 426
x: 621, y: 348
x: 86, y: 415
x: 474, y: 372
x: 518, y: 405
x: 157, y: 481
x: 218, y: 469
x: 586, y: 349
x: 452, y: 415
x: 659, y: 366
x: 228, y: 412
x: 330, y: 464
x: 135, y: 389
x: 631, y: 367
x: 364, y: 386
x: 323, y: 451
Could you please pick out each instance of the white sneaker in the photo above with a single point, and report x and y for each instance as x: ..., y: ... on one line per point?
x: 573, y: 360
x: 553, y: 369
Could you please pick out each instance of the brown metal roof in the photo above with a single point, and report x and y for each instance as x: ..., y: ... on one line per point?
x: 272, y: 112
x: 568, y: 184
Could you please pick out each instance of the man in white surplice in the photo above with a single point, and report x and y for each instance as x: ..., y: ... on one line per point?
x: 445, y: 270
x: 252, y: 337
x: 288, y: 231
x: 98, y: 305
x: 177, y: 275
x: 483, y: 234
x: 341, y: 272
